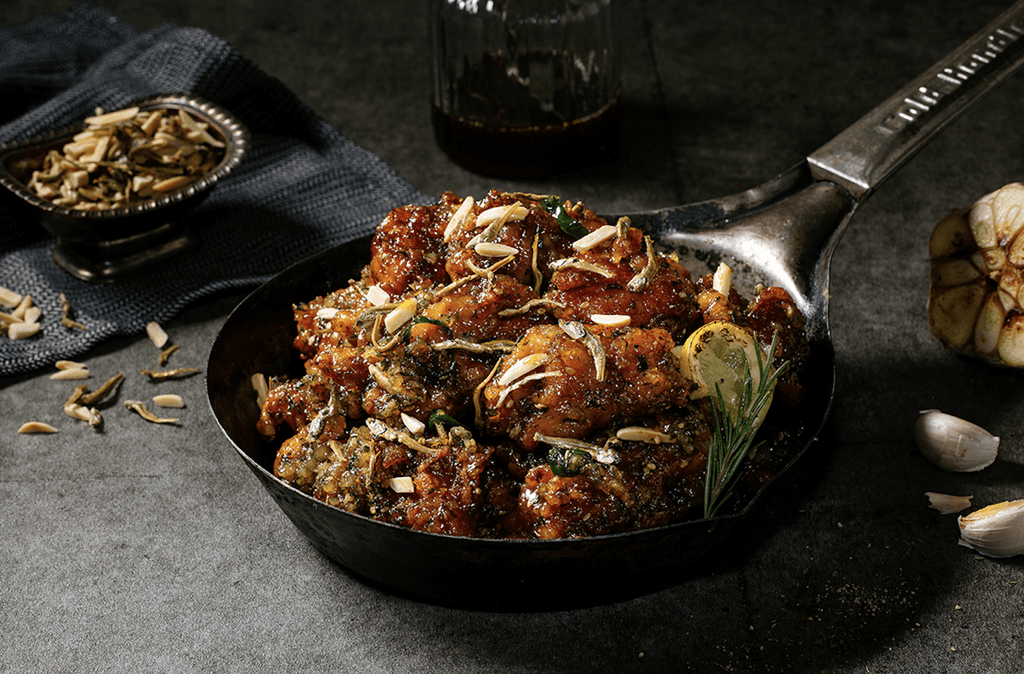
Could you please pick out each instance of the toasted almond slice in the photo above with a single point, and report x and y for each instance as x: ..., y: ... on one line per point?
x: 595, y: 238
x: 489, y: 249
x: 522, y: 367
x: 9, y: 298
x: 36, y: 427
x: 169, y: 400
x: 491, y: 214
x: 327, y: 312
x: 722, y: 281
x: 259, y: 385
x: 71, y: 373
x: 157, y: 335
x: 76, y: 411
x: 114, y: 117
x: 69, y: 365
x: 402, y: 485
x: 172, y: 183
x: 22, y: 330
x: 98, y: 154
x: 414, y: 425
x: 24, y: 305
x: 460, y: 218
x: 377, y: 296
x: 640, y: 434
x: 152, y: 123
x: 33, y: 314
x: 400, y: 315
x: 611, y: 320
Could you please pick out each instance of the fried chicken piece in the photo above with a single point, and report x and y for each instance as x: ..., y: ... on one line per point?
x: 573, y: 392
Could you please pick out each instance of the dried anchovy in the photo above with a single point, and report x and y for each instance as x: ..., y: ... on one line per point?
x: 316, y: 426
x: 538, y: 278
x: 478, y: 407
x: 515, y: 311
x: 102, y: 392
x: 643, y: 279
x: 579, y: 332
x: 65, y: 314
x: 381, y: 430
x: 171, y: 374
x: 124, y: 156
x: 504, y: 345
x: 488, y: 273
x: 601, y: 454
x: 582, y: 265
x: 492, y: 229
x: 165, y: 355
x: 137, y: 407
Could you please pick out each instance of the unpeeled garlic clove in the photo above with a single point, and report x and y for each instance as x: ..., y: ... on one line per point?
x: 996, y: 530
x: 954, y: 444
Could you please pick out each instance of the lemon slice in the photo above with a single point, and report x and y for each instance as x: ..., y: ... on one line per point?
x: 714, y: 354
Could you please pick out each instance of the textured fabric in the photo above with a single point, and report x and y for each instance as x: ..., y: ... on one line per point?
x: 302, y: 188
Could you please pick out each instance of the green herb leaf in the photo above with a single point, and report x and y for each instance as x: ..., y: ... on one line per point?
x: 424, y: 319
x: 441, y: 417
x: 569, y: 224
x: 732, y: 440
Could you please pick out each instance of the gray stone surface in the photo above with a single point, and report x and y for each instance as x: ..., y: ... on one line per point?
x: 152, y: 549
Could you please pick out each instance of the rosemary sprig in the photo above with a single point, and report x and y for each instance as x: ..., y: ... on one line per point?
x: 733, y: 439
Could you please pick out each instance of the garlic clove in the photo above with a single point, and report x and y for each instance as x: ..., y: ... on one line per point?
x: 947, y: 504
x: 996, y: 530
x: 954, y: 444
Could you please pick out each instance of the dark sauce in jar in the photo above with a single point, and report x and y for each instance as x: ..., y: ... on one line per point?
x: 502, y: 129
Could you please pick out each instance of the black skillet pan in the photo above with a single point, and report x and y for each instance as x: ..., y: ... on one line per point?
x: 780, y: 233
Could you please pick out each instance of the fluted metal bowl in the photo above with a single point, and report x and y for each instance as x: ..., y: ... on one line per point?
x: 102, y: 245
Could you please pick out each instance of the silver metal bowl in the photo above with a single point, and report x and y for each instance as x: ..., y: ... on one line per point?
x: 104, y: 245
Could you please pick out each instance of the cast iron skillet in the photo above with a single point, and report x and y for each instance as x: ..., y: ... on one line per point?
x: 780, y: 233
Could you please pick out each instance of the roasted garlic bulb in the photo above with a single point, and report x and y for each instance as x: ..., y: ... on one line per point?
x: 976, y: 293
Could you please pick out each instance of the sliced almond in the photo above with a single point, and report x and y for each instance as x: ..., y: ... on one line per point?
x: 22, y: 330
x: 157, y: 335
x: 402, y: 485
x: 460, y: 218
x: 611, y: 320
x: 514, y: 213
x: 259, y: 385
x: 639, y: 434
x: 327, y: 313
x: 24, y: 305
x: 71, y: 373
x: 377, y: 296
x: 69, y: 365
x: 414, y: 425
x: 489, y: 249
x: 595, y: 238
x: 123, y: 115
x: 169, y: 400
x: 522, y: 367
x: 400, y: 315
x: 9, y: 298
x: 33, y: 314
x: 36, y: 427
x: 169, y: 184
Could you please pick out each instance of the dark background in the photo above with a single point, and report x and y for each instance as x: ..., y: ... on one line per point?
x: 147, y: 549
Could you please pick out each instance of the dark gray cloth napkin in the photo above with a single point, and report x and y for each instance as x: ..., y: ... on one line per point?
x: 303, y: 187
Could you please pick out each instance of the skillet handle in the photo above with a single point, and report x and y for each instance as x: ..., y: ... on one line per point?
x: 868, y: 152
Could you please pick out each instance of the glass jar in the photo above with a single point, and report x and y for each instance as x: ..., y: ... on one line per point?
x: 525, y: 88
